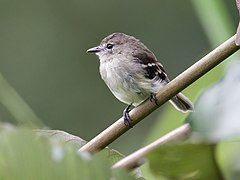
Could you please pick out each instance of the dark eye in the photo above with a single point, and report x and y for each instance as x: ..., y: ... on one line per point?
x: 109, y: 46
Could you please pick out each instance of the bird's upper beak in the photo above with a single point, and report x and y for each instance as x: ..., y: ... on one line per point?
x: 95, y: 49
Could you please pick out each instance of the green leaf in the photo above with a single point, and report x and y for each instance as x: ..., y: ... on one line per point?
x: 77, y: 142
x: 62, y: 137
x: 26, y: 155
x: 185, y: 161
x: 68, y: 139
x: 217, y: 110
x: 228, y: 158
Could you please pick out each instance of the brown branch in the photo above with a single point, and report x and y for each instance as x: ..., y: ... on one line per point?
x: 137, y: 158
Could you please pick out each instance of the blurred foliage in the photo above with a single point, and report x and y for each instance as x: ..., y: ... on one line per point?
x: 185, y: 161
x: 76, y: 142
x: 216, y: 19
x: 227, y: 155
x: 18, y: 108
x: 25, y: 155
x: 216, y: 115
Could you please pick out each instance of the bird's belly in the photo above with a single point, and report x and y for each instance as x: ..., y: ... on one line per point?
x: 122, y: 84
x: 128, y: 94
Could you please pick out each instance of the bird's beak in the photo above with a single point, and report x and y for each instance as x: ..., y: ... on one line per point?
x: 95, y: 49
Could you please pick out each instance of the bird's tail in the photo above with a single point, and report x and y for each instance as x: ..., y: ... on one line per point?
x: 182, y: 103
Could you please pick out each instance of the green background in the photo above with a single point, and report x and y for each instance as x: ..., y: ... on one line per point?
x: 43, y: 56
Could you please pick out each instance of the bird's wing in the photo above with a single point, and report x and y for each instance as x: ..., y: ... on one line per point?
x: 152, y: 67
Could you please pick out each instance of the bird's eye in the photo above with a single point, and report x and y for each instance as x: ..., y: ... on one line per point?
x: 109, y: 46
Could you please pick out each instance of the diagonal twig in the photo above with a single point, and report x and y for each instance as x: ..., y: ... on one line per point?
x: 137, y: 158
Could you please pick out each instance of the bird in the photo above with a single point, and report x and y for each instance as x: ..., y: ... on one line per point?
x: 132, y: 73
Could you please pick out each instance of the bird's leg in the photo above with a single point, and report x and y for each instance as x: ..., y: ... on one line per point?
x: 126, y: 117
x: 153, y: 98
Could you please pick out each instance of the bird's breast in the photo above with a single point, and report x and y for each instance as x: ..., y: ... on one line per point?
x: 123, y: 81
x: 114, y: 74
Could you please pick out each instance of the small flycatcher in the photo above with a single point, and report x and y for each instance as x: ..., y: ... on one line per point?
x: 132, y: 72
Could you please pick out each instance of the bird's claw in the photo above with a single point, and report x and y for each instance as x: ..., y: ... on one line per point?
x: 153, y: 98
x: 126, y: 117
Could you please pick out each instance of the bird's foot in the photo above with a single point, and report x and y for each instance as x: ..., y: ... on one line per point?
x: 126, y: 117
x: 153, y: 98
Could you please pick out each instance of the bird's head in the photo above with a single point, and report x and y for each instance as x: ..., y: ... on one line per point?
x: 115, y: 44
